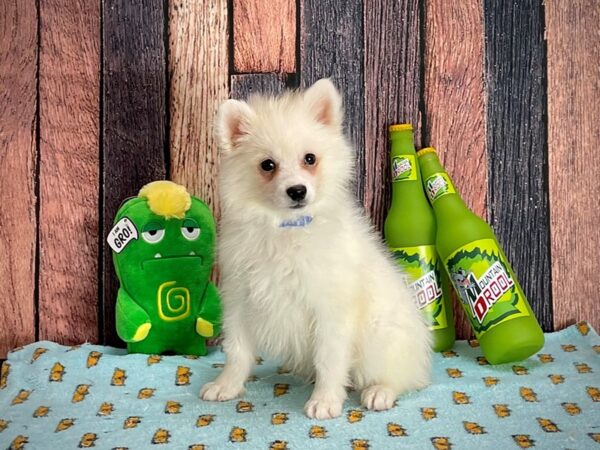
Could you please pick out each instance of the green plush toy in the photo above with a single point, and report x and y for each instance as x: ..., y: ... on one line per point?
x: 163, y: 252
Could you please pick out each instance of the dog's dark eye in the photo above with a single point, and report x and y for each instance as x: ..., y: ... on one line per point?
x: 268, y: 165
x: 310, y: 159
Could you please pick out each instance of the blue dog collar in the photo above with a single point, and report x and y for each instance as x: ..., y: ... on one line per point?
x: 301, y: 221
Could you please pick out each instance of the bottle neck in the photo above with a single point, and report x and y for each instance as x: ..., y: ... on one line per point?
x: 439, y: 187
x: 405, y: 173
x: 402, y: 143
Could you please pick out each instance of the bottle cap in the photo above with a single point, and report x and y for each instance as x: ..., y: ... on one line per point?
x: 426, y: 151
x: 400, y: 127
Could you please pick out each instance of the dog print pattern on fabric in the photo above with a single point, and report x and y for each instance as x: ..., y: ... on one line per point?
x: 141, y: 401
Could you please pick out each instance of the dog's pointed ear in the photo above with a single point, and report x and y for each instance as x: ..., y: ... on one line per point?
x: 232, y: 123
x: 325, y: 103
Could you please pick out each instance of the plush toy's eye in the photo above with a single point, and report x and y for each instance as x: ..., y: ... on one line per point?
x: 153, y: 233
x: 190, y: 229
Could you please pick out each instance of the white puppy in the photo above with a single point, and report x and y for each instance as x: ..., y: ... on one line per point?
x: 304, y: 277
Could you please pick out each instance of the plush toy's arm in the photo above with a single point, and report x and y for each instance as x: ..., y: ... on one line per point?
x: 208, y: 322
x: 133, y: 323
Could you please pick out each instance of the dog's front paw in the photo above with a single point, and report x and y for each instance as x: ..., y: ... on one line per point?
x: 217, y: 392
x: 323, y: 407
x: 378, y: 398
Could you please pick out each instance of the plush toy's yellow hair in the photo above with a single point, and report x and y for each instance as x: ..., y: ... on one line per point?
x: 166, y: 199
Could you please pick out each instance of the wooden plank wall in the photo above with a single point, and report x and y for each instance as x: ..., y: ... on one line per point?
x: 573, y: 39
x: 337, y: 54
x: 454, y: 103
x: 396, y: 64
x: 517, y: 145
x: 264, y: 36
x: 18, y: 167
x: 134, y: 117
x: 198, y: 82
x: 98, y: 97
x: 69, y: 166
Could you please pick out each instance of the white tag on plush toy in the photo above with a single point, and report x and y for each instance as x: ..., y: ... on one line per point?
x: 122, y: 234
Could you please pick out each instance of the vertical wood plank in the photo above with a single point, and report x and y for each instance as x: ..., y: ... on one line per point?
x: 264, y: 36
x: 69, y: 170
x: 134, y: 112
x: 242, y: 86
x: 199, y: 75
x: 392, y: 67
x: 454, y: 103
x: 331, y: 42
x: 573, y: 135
x: 18, y: 77
x: 517, y: 144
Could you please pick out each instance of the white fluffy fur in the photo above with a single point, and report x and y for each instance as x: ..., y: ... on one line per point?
x: 326, y: 298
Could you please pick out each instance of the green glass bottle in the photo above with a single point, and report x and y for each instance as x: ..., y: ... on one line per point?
x: 489, y: 292
x: 410, y: 234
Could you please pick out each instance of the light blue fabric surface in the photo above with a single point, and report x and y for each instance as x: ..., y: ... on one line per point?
x: 552, y: 402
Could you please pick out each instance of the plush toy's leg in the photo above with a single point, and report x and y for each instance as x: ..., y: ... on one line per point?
x: 152, y: 345
x: 145, y: 347
x: 196, y: 345
x: 156, y: 344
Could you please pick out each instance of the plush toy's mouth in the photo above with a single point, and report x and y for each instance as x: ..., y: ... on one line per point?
x: 183, y: 260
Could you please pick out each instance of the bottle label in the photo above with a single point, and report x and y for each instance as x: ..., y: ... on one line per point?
x: 485, y: 286
x: 404, y: 168
x: 438, y: 185
x: 422, y: 266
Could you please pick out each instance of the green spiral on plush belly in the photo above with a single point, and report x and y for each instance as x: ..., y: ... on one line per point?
x: 173, y: 301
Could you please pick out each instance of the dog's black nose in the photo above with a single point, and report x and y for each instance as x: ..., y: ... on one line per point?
x: 297, y: 192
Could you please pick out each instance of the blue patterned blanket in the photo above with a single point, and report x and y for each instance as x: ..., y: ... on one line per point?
x: 56, y: 397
